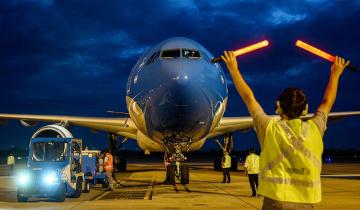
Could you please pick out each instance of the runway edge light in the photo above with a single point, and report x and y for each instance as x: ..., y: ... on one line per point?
x: 245, y: 50
x: 321, y: 53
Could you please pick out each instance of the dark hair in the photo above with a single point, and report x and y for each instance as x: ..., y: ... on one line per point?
x: 251, y: 150
x: 293, y: 102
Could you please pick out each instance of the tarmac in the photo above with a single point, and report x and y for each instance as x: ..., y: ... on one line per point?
x: 141, y: 187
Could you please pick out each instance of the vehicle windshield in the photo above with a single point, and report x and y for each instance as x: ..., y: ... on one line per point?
x: 49, y: 151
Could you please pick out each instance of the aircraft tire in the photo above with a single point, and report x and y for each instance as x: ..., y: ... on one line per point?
x: 234, y: 164
x: 217, y: 164
x: 122, y: 164
x: 185, y: 174
x: 170, y: 174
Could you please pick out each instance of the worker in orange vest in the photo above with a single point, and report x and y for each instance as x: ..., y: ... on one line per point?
x: 108, y: 166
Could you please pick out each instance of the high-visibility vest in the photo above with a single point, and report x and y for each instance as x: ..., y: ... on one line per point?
x: 290, y: 161
x: 252, y: 164
x: 11, y: 160
x: 227, y: 161
x: 108, y: 162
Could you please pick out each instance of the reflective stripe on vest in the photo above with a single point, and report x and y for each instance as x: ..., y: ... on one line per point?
x: 298, y: 145
x: 109, y: 162
x: 290, y: 181
x: 290, y: 164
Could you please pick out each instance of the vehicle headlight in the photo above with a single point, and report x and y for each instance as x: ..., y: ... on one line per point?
x: 51, y: 178
x: 23, y: 179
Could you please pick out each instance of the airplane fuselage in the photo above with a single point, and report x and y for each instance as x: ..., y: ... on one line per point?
x: 174, y: 91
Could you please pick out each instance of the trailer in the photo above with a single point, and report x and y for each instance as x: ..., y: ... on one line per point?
x: 93, y: 171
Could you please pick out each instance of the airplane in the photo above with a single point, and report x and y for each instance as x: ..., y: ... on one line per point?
x: 176, y: 98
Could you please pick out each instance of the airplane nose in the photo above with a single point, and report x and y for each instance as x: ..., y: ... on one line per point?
x: 180, y: 104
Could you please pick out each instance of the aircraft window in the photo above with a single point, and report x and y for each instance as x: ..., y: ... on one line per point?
x: 187, y: 53
x: 152, y: 58
x: 174, y: 53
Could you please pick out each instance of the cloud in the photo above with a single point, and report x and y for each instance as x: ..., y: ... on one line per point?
x: 80, y: 53
x: 279, y: 17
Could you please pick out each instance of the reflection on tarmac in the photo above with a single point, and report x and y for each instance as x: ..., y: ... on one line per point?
x: 141, y: 188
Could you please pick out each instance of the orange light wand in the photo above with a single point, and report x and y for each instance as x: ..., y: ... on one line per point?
x: 320, y: 53
x: 245, y: 50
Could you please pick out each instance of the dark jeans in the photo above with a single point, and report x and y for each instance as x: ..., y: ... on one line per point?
x: 10, y: 169
x: 254, y: 183
x: 226, y: 173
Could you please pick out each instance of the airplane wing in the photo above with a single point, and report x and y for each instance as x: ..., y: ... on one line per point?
x: 231, y: 124
x: 121, y: 126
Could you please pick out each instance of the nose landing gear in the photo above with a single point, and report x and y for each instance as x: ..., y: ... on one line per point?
x: 175, y: 168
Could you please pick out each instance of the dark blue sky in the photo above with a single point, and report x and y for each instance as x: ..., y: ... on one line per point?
x: 74, y: 57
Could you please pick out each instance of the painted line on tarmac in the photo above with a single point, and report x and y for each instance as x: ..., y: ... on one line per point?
x: 150, y: 190
x: 340, y: 175
x: 232, y: 194
x: 98, y: 197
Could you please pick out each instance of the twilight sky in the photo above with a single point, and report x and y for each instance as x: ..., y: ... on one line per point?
x: 74, y: 57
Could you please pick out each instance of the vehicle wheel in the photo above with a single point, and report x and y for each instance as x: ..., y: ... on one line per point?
x: 60, y: 194
x: 87, y: 186
x: 21, y: 198
x: 78, y: 189
x: 184, y: 174
x: 170, y: 174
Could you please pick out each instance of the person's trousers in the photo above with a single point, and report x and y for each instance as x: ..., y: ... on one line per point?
x: 110, y: 179
x: 226, y: 174
x: 10, y: 169
x: 270, y: 204
x: 254, y: 183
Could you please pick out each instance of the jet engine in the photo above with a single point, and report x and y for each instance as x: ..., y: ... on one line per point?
x: 54, y: 130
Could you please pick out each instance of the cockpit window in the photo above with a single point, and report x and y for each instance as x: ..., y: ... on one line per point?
x: 173, y: 53
x: 188, y: 53
x: 152, y: 58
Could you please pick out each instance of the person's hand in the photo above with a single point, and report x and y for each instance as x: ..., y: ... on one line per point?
x: 230, y: 61
x: 337, y: 68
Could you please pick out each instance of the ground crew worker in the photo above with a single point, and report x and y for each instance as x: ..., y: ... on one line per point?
x: 108, y: 166
x: 226, y: 165
x: 252, y: 170
x: 11, y: 164
x: 290, y: 160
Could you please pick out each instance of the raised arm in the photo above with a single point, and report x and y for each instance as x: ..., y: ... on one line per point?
x: 241, y: 86
x: 337, y: 68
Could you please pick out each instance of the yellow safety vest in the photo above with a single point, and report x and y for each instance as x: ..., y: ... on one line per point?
x: 290, y: 161
x: 227, y: 161
x: 252, y: 164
